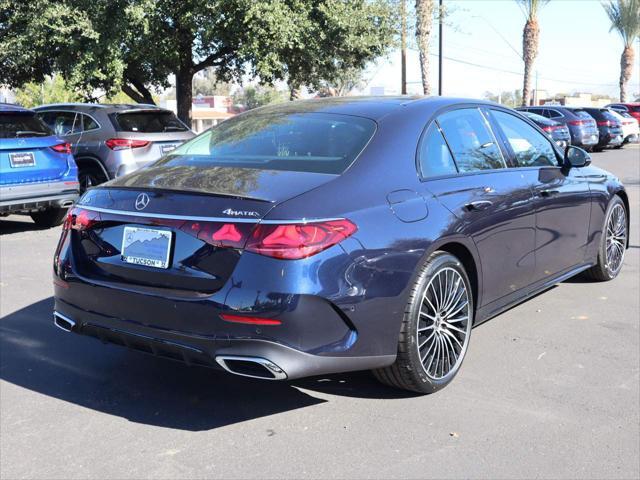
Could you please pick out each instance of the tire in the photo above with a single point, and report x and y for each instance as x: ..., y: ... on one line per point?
x: 49, y: 218
x: 597, y: 149
x: 618, y: 147
x: 414, y: 368
x: 614, y: 231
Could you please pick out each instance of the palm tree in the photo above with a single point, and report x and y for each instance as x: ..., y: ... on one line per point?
x: 625, y: 19
x: 530, y: 35
x: 424, y: 20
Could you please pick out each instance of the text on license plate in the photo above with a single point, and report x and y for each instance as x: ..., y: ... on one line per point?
x: 146, y: 246
x: 17, y: 160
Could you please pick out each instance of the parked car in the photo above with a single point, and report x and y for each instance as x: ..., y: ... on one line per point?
x: 583, y: 129
x: 109, y: 141
x: 630, y: 129
x: 559, y: 132
x: 632, y: 109
x: 338, y: 234
x: 609, y: 128
x: 38, y: 176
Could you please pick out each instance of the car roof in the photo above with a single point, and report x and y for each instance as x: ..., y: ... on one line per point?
x: 13, y: 108
x: 374, y: 108
x: 99, y: 107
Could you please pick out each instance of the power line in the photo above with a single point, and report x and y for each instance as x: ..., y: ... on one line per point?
x: 512, y: 72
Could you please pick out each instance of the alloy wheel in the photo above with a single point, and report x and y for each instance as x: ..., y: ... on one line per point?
x: 444, y: 324
x: 616, y: 239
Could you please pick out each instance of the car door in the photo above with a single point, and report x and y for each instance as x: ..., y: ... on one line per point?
x: 562, y: 200
x: 67, y: 125
x: 464, y: 167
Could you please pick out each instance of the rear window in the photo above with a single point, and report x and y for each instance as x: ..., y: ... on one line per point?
x: 148, y: 122
x: 304, y: 142
x: 634, y: 108
x: 583, y: 114
x: 22, y: 125
x: 539, y: 119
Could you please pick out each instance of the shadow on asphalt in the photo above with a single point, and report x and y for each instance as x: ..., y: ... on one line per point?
x: 11, y: 226
x: 144, y: 389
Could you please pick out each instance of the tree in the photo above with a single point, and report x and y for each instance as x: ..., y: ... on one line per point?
x: 509, y: 98
x: 530, y: 38
x: 208, y: 84
x: 137, y: 45
x: 251, y: 97
x: 625, y: 19
x: 51, y: 90
x: 424, y: 21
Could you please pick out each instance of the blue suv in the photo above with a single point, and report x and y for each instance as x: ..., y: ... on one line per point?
x: 38, y: 175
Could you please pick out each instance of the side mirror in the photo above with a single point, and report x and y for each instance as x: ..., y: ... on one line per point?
x: 576, y: 157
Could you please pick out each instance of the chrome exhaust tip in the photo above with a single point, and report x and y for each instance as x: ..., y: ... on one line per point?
x: 63, y: 322
x: 66, y: 204
x: 253, y: 367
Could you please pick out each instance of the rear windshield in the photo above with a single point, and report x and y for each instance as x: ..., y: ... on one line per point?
x: 304, y: 142
x: 22, y: 125
x: 539, y: 119
x: 634, y: 108
x: 583, y: 114
x: 148, y: 122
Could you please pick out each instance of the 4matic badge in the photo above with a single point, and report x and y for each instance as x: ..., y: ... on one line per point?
x: 240, y: 213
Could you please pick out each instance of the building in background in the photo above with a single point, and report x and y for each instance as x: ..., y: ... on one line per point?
x: 207, y: 110
x: 576, y: 100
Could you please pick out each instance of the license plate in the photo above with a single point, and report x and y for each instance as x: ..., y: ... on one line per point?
x: 18, y: 160
x: 167, y: 148
x: 146, y: 246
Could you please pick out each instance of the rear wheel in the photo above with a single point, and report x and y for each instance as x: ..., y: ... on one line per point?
x: 618, y: 147
x: 435, y: 330
x: 613, y: 243
x: 49, y: 218
x: 90, y: 176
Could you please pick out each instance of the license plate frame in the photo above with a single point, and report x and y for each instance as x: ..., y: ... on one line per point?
x: 22, y: 160
x: 147, y: 247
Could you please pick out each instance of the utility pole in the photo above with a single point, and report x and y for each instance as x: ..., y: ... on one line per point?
x: 440, y: 14
x: 403, y: 45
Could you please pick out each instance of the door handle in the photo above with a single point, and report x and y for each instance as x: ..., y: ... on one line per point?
x: 548, y: 193
x: 478, y: 205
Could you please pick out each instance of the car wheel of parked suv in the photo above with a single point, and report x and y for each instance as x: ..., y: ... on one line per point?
x: 89, y: 177
x: 435, y: 329
x: 49, y: 218
x: 613, y: 243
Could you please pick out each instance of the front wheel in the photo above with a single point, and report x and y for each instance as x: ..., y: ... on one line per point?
x: 49, y: 218
x: 435, y: 330
x: 613, y: 243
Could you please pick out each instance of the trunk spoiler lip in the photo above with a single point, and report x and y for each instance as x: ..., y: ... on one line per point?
x: 205, y: 219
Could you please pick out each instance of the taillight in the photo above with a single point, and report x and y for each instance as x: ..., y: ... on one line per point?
x: 577, y: 123
x: 80, y: 219
x: 298, y: 240
x: 604, y: 123
x: 551, y: 128
x: 230, y: 235
x: 62, y: 148
x: 124, y: 143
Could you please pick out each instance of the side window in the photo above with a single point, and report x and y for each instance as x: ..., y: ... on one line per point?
x: 89, y: 123
x: 60, y: 122
x: 434, y: 155
x: 472, y: 143
x: 554, y: 114
x: 531, y: 148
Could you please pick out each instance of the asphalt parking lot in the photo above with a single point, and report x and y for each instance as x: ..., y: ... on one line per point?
x: 549, y: 389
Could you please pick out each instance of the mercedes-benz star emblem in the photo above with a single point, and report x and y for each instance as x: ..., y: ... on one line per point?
x: 142, y: 201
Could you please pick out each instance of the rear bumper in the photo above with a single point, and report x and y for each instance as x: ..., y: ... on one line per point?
x: 216, y: 351
x: 37, y: 196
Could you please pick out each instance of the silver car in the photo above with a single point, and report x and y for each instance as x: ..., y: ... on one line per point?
x: 109, y: 141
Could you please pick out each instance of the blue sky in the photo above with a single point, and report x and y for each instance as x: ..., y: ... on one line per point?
x: 577, y: 52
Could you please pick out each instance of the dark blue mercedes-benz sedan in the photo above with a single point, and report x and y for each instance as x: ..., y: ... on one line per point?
x: 334, y: 235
